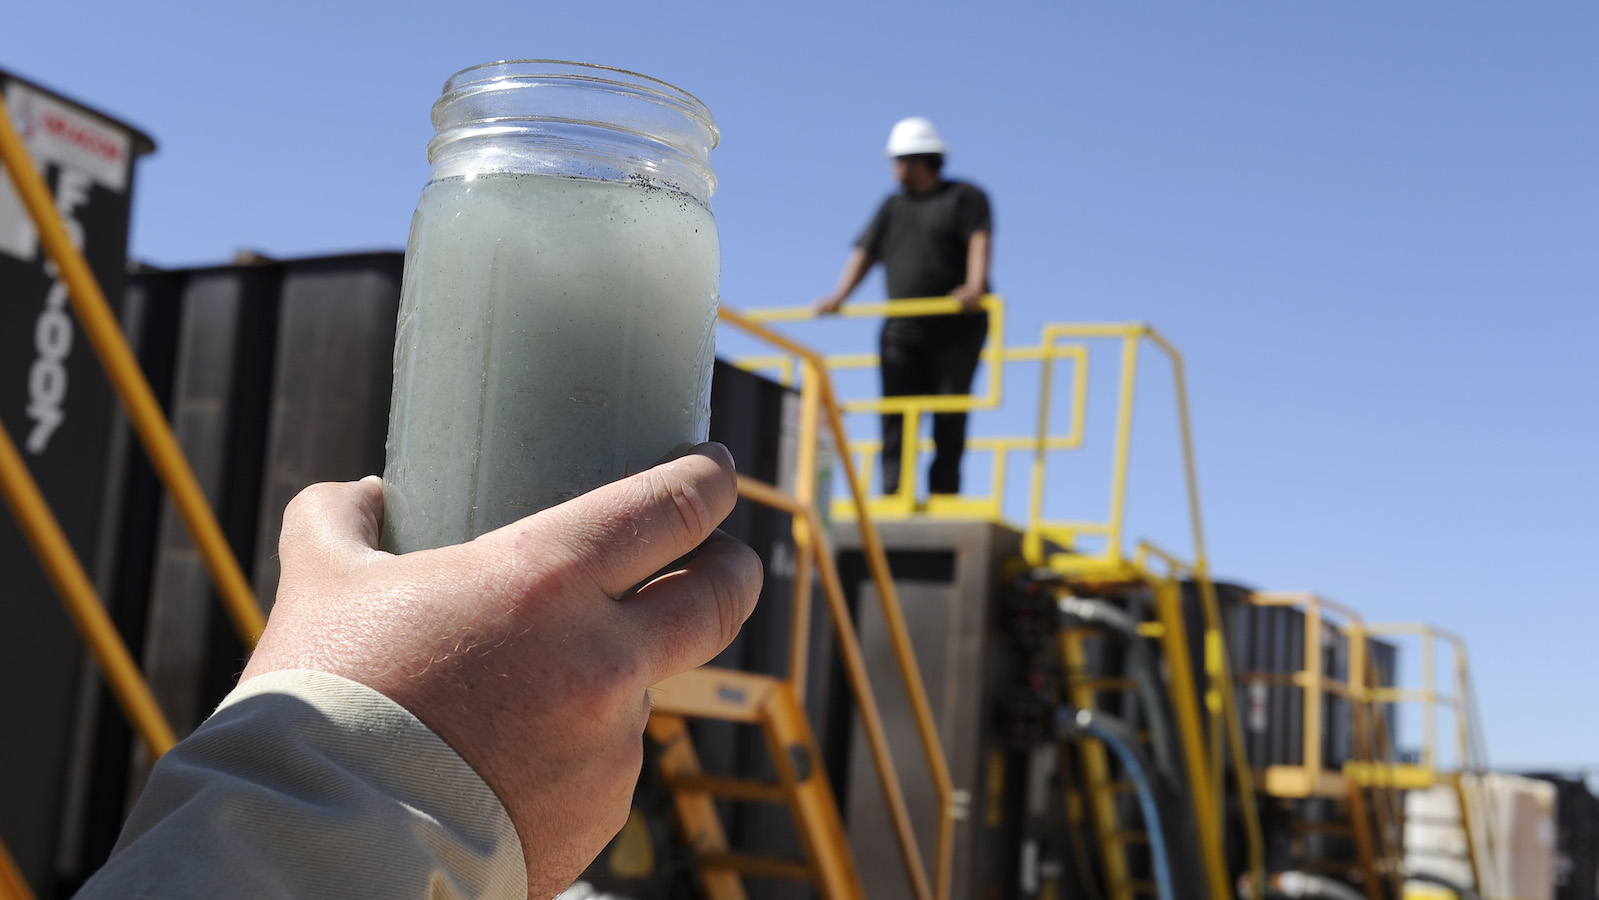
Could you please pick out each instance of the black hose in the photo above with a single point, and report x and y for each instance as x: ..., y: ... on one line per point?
x: 1120, y: 739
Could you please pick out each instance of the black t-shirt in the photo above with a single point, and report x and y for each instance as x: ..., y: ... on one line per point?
x: 922, y: 238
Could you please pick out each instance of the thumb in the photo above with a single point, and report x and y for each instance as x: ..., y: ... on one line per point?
x: 332, y: 526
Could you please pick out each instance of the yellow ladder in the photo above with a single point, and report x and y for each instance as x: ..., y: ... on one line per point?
x: 728, y: 695
x: 1378, y: 809
x: 1083, y: 690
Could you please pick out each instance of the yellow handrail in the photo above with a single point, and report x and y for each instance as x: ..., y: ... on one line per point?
x: 912, y: 408
x: 1220, y: 702
x: 1300, y: 780
x: 1061, y: 341
x: 1470, y: 762
x: 817, y: 394
x: 122, y: 368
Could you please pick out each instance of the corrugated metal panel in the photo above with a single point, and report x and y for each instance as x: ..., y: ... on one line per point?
x: 330, y: 387
x: 128, y: 533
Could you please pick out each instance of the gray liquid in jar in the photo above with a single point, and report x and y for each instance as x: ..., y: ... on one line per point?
x: 555, y: 334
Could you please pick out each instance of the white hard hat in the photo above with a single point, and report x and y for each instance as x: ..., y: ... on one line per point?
x: 914, y: 136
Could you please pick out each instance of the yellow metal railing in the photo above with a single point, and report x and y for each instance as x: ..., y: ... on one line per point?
x: 1468, y: 750
x: 1044, y: 540
x: 1310, y: 777
x: 913, y: 408
x: 1207, y: 748
x: 1371, y: 765
x: 1377, y: 849
x: 1469, y: 763
x: 819, y: 408
x: 1058, y: 342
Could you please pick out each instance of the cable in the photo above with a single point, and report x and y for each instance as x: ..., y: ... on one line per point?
x: 1295, y: 885
x: 1085, y: 869
x: 1144, y: 673
x: 1119, y: 738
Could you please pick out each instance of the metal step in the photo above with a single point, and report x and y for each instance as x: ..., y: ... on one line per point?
x: 756, y: 866
x: 749, y: 790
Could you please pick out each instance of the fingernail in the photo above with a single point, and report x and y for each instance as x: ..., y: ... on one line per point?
x: 375, y: 479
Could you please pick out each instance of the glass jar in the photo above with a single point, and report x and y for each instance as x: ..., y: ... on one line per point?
x: 558, y: 310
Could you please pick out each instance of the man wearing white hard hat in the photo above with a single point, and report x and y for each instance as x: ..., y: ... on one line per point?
x: 934, y: 239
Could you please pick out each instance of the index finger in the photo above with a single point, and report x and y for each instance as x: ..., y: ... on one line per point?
x: 624, y: 532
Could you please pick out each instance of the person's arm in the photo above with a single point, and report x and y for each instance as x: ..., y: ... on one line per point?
x: 305, y: 784
x: 460, y: 722
x: 855, y: 269
x: 971, y: 293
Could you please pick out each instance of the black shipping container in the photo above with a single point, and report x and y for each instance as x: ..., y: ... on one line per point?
x: 54, y: 403
x: 1271, y: 640
x: 233, y: 353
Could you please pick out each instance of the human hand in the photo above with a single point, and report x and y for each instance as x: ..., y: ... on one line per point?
x: 829, y: 304
x: 971, y: 298
x: 519, y: 648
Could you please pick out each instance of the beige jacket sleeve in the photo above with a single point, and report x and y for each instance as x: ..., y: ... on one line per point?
x: 305, y: 784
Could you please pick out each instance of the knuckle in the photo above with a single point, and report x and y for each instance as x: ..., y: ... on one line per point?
x: 308, y: 501
x: 729, y: 620
x: 736, y: 593
x: 728, y: 611
x: 297, y: 539
x: 688, y: 507
x: 543, y: 563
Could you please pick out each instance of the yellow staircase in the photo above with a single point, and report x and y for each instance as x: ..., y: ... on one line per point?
x: 745, y: 698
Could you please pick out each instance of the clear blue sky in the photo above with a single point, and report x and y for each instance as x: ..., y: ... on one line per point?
x: 1371, y: 227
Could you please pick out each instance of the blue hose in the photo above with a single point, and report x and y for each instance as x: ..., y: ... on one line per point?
x: 1116, y: 736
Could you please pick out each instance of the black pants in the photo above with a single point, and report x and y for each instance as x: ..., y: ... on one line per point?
x: 918, y: 360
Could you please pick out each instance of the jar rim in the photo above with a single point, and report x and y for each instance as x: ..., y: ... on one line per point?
x: 553, y: 116
x: 506, y: 69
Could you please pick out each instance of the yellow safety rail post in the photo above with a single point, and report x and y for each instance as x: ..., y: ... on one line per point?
x: 805, y: 532
x: 1371, y: 729
x: 122, y: 368
x: 1310, y: 777
x: 1038, y: 531
x: 1221, y: 699
x: 1224, y: 737
x: 1033, y: 538
x: 1471, y: 763
x: 1205, y: 769
x: 814, y: 371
